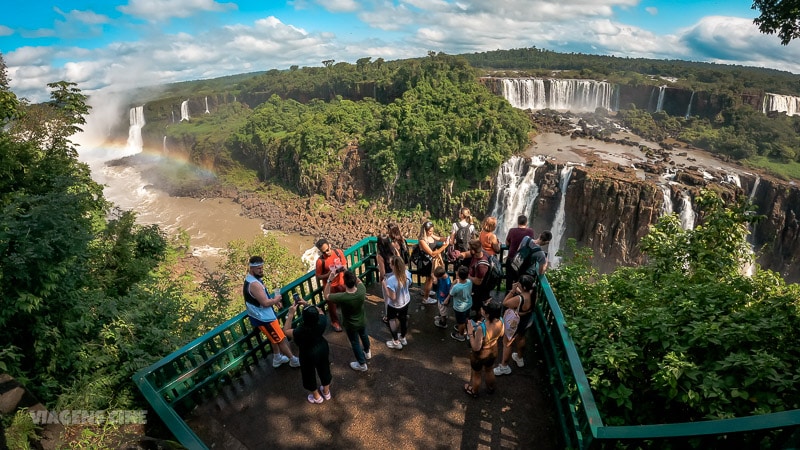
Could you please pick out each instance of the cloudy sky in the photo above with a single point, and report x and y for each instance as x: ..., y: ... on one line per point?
x: 125, y: 43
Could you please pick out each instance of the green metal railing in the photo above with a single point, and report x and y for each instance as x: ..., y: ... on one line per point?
x: 196, y: 372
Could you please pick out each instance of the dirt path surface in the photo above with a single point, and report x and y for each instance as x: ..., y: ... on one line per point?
x: 409, y: 398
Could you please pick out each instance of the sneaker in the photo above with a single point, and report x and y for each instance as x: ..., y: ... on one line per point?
x: 502, y: 370
x: 517, y: 359
x: 294, y: 362
x: 429, y: 301
x: 355, y: 365
x: 403, y: 340
x: 432, y: 294
x: 437, y: 317
x: 455, y: 328
x: 279, y: 360
x: 323, y: 394
x: 459, y: 337
x: 439, y: 323
x: 394, y: 344
x: 368, y: 354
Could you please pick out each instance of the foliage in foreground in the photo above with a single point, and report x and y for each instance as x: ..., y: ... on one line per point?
x: 686, y: 337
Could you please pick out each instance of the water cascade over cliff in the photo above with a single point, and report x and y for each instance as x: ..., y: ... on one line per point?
x: 207, y: 111
x: 135, y: 130
x: 687, y: 214
x: 689, y: 107
x: 667, y: 208
x: 781, y: 103
x: 559, y: 223
x: 515, y: 194
x: 560, y: 94
x: 185, y: 110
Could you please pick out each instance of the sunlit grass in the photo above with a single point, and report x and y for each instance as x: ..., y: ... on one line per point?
x: 784, y: 170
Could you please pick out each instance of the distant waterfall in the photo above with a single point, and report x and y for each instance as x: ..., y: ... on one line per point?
x: 749, y: 267
x: 687, y: 213
x: 559, y: 223
x: 185, y: 111
x: 689, y: 108
x: 660, y: 104
x: 733, y: 178
x: 781, y: 103
x: 515, y: 193
x: 135, y: 130
x: 164, y: 145
x: 752, y: 195
x: 173, y: 116
x: 207, y: 111
x: 561, y: 94
x: 667, y: 207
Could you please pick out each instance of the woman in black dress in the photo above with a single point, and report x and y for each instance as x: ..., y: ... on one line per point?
x: 314, y: 350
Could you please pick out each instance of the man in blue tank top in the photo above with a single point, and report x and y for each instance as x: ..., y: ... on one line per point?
x: 262, y: 316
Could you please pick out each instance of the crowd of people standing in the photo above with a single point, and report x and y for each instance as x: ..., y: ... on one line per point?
x: 466, y: 297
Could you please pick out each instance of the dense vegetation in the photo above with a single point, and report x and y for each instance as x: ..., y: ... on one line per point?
x: 687, y: 336
x: 87, y: 296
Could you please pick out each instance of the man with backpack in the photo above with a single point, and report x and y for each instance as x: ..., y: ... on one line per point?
x: 332, y: 261
x: 529, y: 258
x: 484, y: 272
x: 513, y: 239
x: 461, y: 233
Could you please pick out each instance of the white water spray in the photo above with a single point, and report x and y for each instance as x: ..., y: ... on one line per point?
x: 667, y: 207
x: 559, y: 223
x: 207, y: 111
x: 687, y: 213
x: 135, y: 131
x: 515, y: 193
x: 660, y: 104
x: 185, y: 110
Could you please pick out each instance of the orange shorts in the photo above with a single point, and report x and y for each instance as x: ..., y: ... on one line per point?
x: 272, y: 330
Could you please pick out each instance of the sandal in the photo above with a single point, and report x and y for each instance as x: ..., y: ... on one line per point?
x: 468, y: 390
x: 323, y: 394
x: 311, y: 399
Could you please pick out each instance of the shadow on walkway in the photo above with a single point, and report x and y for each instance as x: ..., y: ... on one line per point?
x: 409, y: 398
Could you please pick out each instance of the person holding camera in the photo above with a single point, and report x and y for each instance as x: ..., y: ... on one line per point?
x: 331, y: 262
x: 314, y: 350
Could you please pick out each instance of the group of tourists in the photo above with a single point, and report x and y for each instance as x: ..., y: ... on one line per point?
x: 478, y: 320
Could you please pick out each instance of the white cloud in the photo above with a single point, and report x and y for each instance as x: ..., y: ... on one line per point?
x: 339, y: 5
x: 158, y: 10
x: 87, y: 17
x: 5, y: 31
x: 652, y: 10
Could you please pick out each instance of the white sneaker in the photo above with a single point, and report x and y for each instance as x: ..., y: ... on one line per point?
x: 429, y: 301
x: 432, y: 294
x: 394, y: 344
x: 358, y: 367
x: 517, y: 359
x: 502, y: 370
x: 279, y: 360
x: 403, y: 340
x: 294, y: 362
x: 368, y: 355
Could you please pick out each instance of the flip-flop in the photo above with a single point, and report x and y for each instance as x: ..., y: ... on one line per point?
x: 468, y: 390
x: 311, y: 399
x: 322, y: 393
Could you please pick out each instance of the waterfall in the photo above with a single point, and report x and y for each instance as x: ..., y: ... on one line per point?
x: 559, y: 223
x: 752, y: 195
x: 689, y: 108
x: 667, y: 207
x: 687, y: 213
x: 733, y: 178
x: 185, y: 110
x: 207, y: 111
x: 749, y: 267
x: 164, y: 146
x: 561, y: 94
x: 173, y: 116
x: 515, y: 193
x: 135, y: 131
x: 781, y: 103
x: 661, y: 91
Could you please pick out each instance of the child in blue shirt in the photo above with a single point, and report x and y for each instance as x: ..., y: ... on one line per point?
x: 442, y: 292
x: 461, y: 296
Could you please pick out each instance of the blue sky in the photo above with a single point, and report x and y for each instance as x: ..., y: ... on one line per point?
x: 117, y: 44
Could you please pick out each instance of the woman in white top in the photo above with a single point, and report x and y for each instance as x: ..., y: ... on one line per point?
x: 395, y: 287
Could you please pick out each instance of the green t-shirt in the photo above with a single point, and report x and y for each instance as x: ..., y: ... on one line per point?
x: 352, y: 307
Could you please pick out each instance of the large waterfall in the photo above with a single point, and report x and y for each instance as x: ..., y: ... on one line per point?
x: 781, y: 103
x: 515, y: 193
x: 667, y: 208
x: 559, y: 223
x: 185, y: 110
x: 687, y: 213
x: 135, y: 131
x: 560, y: 94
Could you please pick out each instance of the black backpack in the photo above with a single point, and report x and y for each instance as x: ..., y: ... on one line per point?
x: 494, y: 275
x: 462, y: 237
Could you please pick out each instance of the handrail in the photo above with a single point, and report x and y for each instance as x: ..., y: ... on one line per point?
x: 196, y: 370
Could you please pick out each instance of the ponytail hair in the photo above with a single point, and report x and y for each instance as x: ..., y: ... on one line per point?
x: 466, y: 215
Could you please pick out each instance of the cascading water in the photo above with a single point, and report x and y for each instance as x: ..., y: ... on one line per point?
x: 515, y: 193
x: 689, y: 108
x: 667, y: 207
x: 733, y: 178
x: 781, y: 103
x: 173, y: 116
x: 687, y: 213
x: 660, y: 104
x: 135, y: 131
x: 164, y: 146
x: 749, y: 267
x: 561, y: 94
x: 185, y: 110
x: 207, y: 111
x: 559, y: 223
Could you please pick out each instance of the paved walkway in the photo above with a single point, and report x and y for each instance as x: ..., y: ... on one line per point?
x: 409, y: 398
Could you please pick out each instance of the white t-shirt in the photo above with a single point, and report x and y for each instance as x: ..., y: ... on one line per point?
x: 461, y: 224
x: 402, y: 295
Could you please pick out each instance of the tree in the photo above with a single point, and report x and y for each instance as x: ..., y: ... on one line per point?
x: 779, y: 16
